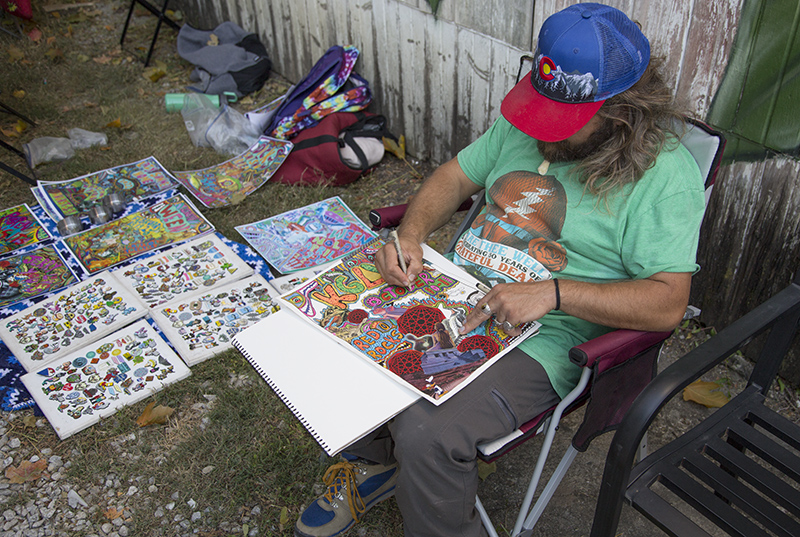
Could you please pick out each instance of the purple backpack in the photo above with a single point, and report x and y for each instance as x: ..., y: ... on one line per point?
x: 330, y: 86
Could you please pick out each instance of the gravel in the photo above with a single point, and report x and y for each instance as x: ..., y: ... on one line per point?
x: 55, y: 505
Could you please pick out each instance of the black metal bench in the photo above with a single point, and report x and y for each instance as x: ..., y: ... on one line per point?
x: 738, y: 471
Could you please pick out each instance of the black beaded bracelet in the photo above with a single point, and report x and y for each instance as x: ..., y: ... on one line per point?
x: 558, y: 294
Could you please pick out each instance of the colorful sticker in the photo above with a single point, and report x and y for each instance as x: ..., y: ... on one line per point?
x: 188, y: 269
x: 81, y: 314
x: 203, y: 326
x: 79, y: 389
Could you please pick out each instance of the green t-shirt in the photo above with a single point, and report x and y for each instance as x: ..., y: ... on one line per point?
x: 540, y: 226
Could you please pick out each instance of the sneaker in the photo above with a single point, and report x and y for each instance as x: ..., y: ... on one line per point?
x: 353, y: 488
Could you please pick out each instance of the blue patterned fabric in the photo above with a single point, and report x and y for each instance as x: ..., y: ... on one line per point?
x: 13, y: 394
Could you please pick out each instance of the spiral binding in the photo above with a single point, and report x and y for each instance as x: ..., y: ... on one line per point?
x: 282, y: 396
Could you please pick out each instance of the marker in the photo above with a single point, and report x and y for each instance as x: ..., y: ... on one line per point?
x: 399, y: 249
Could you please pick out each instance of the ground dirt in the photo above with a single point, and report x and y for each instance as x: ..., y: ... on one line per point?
x: 71, y: 34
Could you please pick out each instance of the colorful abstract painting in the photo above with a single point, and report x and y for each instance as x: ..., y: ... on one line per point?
x: 81, y: 314
x: 228, y: 183
x: 19, y: 227
x: 168, y: 222
x: 203, y: 326
x: 31, y: 274
x: 77, y: 196
x: 411, y: 333
x: 95, y: 381
x: 307, y: 237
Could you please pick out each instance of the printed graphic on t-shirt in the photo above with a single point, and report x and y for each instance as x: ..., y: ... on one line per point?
x: 514, y: 237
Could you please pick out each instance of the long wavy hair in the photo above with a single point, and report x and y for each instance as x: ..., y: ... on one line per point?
x: 642, y: 116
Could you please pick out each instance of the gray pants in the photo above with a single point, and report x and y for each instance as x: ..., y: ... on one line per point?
x: 436, y: 445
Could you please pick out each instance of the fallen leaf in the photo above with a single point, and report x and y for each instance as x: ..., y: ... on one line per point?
x: 54, y: 53
x: 154, y: 415
x: 486, y: 469
x: 153, y: 74
x: 213, y: 40
x: 35, y: 35
x: 111, y: 513
x: 51, y: 40
x: 9, y: 133
x: 116, y: 124
x: 708, y: 394
x: 19, y: 94
x: 26, y: 471
x: 20, y: 126
x: 102, y: 60
x: 397, y: 149
x: 284, y: 517
x: 29, y: 421
x: 15, y: 54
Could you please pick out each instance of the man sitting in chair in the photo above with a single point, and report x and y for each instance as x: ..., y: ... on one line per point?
x: 599, y: 207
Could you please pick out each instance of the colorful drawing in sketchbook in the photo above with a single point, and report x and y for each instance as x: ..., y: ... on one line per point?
x: 19, y: 227
x: 81, y: 314
x: 77, y: 196
x: 228, y: 183
x: 31, y: 274
x: 169, y: 222
x: 202, y: 326
x: 307, y: 237
x: 94, y: 382
x: 189, y: 268
x: 412, y: 333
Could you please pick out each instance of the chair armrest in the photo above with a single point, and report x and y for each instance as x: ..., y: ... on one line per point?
x: 671, y: 381
x: 614, y: 347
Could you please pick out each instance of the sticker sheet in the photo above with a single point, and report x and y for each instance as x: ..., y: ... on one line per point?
x: 411, y: 333
x: 188, y: 269
x: 168, y: 222
x: 77, y: 196
x: 31, y: 274
x: 203, y: 326
x: 228, y: 183
x: 19, y: 227
x: 307, y: 237
x: 79, y: 389
x: 81, y: 314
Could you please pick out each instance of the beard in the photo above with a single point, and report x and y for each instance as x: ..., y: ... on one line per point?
x: 564, y: 151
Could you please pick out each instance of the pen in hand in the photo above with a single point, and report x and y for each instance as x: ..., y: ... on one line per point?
x: 400, y: 257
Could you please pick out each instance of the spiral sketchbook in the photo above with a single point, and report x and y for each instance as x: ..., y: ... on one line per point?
x: 347, y: 352
x: 336, y: 395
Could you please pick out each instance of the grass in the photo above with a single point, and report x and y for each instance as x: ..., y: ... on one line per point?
x: 231, y: 445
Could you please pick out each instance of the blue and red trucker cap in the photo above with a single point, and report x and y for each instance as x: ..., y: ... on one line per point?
x: 586, y: 53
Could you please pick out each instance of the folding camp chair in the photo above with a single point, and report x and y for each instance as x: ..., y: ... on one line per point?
x: 622, y: 358
x: 739, y: 468
x: 161, y: 13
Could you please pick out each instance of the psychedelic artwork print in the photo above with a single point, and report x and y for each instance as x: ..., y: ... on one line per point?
x: 190, y: 268
x: 81, y: 314
x: 94, y: 382
x: 168, y: 222
x: 31, y: 274
x: 203, y: 326
x: 411, y: 333
x: 77, y: 196
x: 230, y: 182
x: 19, y: 227
x: 307, y: 237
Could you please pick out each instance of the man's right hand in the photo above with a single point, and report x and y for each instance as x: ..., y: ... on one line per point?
x: 388, y: 264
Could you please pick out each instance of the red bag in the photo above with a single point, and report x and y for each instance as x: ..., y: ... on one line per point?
x: 315, y: 156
